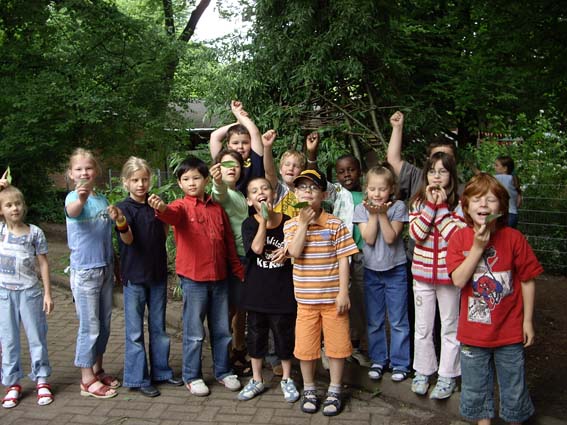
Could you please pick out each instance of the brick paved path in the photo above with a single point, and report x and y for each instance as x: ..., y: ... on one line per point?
x: 176, y: 405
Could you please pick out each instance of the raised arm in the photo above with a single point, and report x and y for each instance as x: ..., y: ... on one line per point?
x: 312, y: 145
x: 268, y: 139
x: 394, y: 154
x: 216, y: 138
x: 243, y: 118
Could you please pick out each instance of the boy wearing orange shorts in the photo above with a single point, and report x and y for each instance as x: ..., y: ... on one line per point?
x: 320, y: 243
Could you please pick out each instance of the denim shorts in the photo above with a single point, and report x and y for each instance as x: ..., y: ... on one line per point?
x: 478, y: 365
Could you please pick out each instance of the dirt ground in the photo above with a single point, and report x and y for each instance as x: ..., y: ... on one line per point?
x: 546, y: 360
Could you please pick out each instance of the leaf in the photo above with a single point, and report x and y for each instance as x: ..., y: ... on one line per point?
x: 8, y: 175
x: 300, y: 205
x: 82, y: 182
x: 229, y: 164
x: 490, y: 218
x: 264, y: 210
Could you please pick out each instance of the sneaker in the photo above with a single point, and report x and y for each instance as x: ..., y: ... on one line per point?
x: 324, y: 359
x: 444, y: 388
x: 399, y: 375
x: 375, y: 372
x: 231, y: 382
x: 198, y: 388
x: 420, y: 384
x: 251, y: 390
x: 359, y: 357
x: 291, y: 395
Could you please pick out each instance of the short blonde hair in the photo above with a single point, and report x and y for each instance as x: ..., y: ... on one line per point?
x: 12, y: 192
x: 132, y: 165
x: 293, y: 153
x: 87, y: 154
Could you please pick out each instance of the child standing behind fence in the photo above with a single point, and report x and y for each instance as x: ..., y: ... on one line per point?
x: 143, y: 267
x: 205, y: 255
x: 21, y: 299
x: 496, y: 269
x: 89, y: 236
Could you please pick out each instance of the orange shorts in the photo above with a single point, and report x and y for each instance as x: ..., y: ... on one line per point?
x: 311, y: 319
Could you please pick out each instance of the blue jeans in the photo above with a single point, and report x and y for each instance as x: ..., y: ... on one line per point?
x: 26, y: 306
x: 200, y: 300
x: 478, y: 365
x: 136, y: 298
x: 92, y: 291
x: 387, y: 291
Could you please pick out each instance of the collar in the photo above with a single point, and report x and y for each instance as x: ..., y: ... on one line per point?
x: 193, y: 200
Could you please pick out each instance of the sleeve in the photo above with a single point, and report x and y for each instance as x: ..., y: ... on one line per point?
x: 248, y: 234
x: 219, y: 192
x: 173, y: 214
x: 455, y: 251
x: 399, y: 212
x: 447, y: 222
x: 409, y: 180
x: 40, y: 242
x: 422, y: 221
x: 344, y: 243
x: 71, y: 196
x: 230, y: 245
x: 290, y: 227
x: 525, y: 261
x: 257, y: 163
x: 360, y: 214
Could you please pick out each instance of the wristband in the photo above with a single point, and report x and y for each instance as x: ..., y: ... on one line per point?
x: 121, y: 223
x: 123, y: 229
x: 312, y: 162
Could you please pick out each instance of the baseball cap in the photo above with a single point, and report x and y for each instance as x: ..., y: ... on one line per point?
x: 315, y: 176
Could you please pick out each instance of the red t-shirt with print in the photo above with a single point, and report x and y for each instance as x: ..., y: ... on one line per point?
x: 492, y: 312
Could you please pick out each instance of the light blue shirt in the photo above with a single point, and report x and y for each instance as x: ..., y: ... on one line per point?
x: 507, y: 181
x: 381, y: 256
x: 89, y: 235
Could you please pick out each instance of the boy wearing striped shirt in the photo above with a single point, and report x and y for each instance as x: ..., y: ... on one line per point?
x: 320, y: 243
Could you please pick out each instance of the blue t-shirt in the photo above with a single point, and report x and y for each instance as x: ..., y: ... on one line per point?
x: 89, y: 235
x: 381, y: 256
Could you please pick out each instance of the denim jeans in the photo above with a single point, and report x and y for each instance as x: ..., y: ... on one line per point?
x: 136, y: 298
x: 387, y: 291
x: 477, y: 388
x: 26, y: 306
x: 92, y: 291
x: 200, y: 300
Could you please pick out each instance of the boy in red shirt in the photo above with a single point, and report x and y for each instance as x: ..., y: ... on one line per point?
x: 205, y: 249
x: 495, y: 267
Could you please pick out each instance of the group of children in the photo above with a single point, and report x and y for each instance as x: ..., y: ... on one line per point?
x: 263, y: 254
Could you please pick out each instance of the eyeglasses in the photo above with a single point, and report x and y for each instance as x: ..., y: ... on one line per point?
x: 441, y: 173
x: 312, y: 187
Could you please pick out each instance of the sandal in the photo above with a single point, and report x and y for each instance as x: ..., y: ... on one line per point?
x: 309, y: 396
x: 101, y: 392
x: 11, y: 402
x: 44, y: 397
x: 375, y: 372
x: 241, y: 366
x: 108, y: 380
x: 332, y: 404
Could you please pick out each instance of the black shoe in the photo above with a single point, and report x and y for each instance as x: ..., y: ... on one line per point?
x: 176, y: 382
x: 149, y: 391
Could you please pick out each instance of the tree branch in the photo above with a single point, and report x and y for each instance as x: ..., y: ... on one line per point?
x: 189, y: 29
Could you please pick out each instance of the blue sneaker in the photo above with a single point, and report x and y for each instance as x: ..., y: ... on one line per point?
x: 251, y: 390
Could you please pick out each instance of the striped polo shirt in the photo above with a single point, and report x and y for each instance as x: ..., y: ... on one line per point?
x: 316, y: 271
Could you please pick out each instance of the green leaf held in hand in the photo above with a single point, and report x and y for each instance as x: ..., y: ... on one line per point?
x: 490, y: 218
x: 264, y: 210
x: 8, y: 175
x: 229, y: 164
x: 300, y: 205
x: 82, y: 182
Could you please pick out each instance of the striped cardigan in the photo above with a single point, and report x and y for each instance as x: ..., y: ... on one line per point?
x: 431, y: 226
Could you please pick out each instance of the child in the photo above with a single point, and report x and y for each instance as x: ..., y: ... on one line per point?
x: 268, y: 293
x: 321, y: 245
x: 344, y: 196
x: 292, y: 163
x: 432, y: 222
x: 243, y: 137
x: 381, y: 220
x: 205, y: 250
x: 234, y: 203
x: 495, y: 267
x: 504, y: 169
x: 89, y: 236
x: 143, y: 267
x: 20, y: 298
